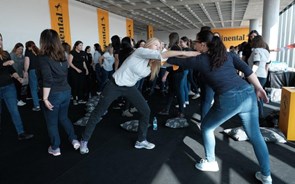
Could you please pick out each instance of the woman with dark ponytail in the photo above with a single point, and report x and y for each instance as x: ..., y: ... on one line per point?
x: 233, y: 96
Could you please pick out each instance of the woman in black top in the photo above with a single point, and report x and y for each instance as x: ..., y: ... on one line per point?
x: 56, y: 90
x: 8, y: 91
x: 78, y: 71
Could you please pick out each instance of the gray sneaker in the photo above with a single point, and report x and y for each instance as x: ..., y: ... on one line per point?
x: 262, y: 178
x: 76, y: 144
x: 83, y: 147
x: 144, y: 144
x: 54, y: 152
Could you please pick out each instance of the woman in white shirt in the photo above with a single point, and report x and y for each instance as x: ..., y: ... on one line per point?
x: 143, y: 62
x: 258, y: 61
x: 106, y: 61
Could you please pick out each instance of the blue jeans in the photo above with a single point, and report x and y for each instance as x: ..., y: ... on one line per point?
x: 243, y: 102
x: 8, y: 94
x: 260, y: 102
x: 207, y: 95
x: 184, y: 87
x: 33, y: 82
x: 59, y: 114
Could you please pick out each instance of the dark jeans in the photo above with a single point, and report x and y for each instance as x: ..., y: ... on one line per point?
x: 59, y: 114
x: 78, y: 81
x: 111, y: 92
x: 8, y: 94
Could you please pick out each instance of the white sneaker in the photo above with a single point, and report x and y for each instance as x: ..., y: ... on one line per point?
x: 204, y: 165
x: 262, y: 178
x: 190, y: 93
x: 76, y: 144
x: 127, y: 113
x: 196, y: 96
x: 83, y: 147
x: 21, y: 103
x: 144, y: 144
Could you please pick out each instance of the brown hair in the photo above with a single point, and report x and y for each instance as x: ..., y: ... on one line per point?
x: 50, y: 45
x: 31, y: 44
x: 258, y: 42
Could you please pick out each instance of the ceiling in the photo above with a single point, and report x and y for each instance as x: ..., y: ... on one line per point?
x: 168, y: 15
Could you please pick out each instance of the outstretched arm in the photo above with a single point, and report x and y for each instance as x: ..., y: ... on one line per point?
x: 172, y: 53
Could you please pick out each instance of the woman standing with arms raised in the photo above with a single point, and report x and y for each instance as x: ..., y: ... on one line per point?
x: 56, y: 90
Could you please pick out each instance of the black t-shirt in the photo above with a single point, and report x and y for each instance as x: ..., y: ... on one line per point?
x: 78, y: 59
x: 5, y: 71
x: 54, y: 74
x: 34, y: 61
x: 88, y: 60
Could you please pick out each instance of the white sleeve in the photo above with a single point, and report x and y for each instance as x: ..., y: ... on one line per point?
x: 146, y: 53
x: 256, y: 55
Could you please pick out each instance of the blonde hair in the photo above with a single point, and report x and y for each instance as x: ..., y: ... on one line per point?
x: 155, y: 68
x: 150, y: 41
x: 155, y: 65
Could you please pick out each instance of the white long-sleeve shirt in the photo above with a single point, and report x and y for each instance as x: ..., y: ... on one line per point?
x: 136, y: 67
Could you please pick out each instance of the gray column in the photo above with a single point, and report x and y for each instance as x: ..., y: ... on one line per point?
x: 254, y: 24
x: 270, y: 23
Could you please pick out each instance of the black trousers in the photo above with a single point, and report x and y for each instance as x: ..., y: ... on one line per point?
x: 111, y: 92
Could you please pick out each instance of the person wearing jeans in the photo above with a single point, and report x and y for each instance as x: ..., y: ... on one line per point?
x: 31, y: 65
x: 233, y: 96
x: 8, y: 91
x: 56, y: 90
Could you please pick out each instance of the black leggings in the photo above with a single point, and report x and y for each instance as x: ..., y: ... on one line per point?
x: 111, y: 92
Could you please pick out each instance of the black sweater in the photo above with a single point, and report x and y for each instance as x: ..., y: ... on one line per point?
x: 54, y: 74
x: 5, y: 71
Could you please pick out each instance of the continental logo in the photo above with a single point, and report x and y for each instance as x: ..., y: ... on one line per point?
x: 233, y: 38
x: 59, y: 15
x: 60, y: 22
x: 103, y: 27
x: 104, y: 34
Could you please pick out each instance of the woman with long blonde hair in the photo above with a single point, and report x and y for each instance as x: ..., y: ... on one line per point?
x: 143, y: 62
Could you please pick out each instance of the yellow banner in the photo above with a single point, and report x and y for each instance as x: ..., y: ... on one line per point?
x: 150, y: 31
x: 103, y: 27
x: 233, y: 36
x: 60, y: 21
x: 129, y: 28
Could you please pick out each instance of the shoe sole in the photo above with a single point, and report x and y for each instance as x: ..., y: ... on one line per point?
x: 84, y: 152
x: 54, y: 154
x: 141, y: 147
x: 202, y: 169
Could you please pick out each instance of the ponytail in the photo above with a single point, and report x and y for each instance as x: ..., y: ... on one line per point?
x: 217, y: 52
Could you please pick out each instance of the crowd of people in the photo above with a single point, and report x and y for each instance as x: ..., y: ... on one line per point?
x: 203, y: 67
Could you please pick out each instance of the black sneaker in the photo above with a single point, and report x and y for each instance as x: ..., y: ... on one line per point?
x: 36, y: 109
x: 25, y: 136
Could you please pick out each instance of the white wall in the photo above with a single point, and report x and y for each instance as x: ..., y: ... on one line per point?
x: 83, y: 23
x: 117, y: 25
x: 22, y: 21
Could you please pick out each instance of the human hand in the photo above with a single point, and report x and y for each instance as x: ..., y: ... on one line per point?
x: 48, y: 104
